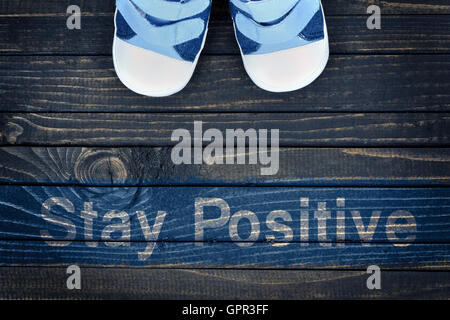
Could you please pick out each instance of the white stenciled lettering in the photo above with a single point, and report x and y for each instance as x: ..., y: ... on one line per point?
x: 254, y: 226
x: 65, y: 223
x: 150, y: 234
x: 322, y: 215
x: 366, y: 233
x: 123, y: 228
x: 399, y: 223
x: 88, y: 215
x: 201, y: 223
x: 272, y: 224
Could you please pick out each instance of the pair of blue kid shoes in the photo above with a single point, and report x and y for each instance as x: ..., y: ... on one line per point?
x: 284, y: 43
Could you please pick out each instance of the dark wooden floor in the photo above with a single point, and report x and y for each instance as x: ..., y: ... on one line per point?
x: 374, y: 127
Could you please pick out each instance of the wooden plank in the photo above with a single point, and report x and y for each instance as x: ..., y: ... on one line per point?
x: 333, y: 7
x: 153, y: 166
x: 228, y: 255
x: 348, y: 34
x: 132, y: 283
x: 319, y: 227
x: 351, y: 83
x: 298, y: 129
x: 24, y: 213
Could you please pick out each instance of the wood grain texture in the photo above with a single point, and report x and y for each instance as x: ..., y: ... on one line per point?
x: 24, y: 215
x: 297, y: 129
x: 153, y: 166
x: 48, y: 225
x: 224, y: 255
x: 348, y: 34
x: 351, y: 83
x: 130, y: 283
x: 68, y: 127
x: 332, y: 7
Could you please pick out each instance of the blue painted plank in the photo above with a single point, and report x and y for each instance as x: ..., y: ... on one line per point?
x: 223, y: 255
x: 309, y: 227
x: 426, y: 212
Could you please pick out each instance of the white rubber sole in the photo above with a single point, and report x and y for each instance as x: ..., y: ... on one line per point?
x: 148, y: 73
x: 288, y: 70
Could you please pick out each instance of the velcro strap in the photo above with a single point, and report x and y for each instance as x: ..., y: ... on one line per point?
x: 265, y: 10
x: 284, y: 31
x: 166, y: 35
x: 172, y: 11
